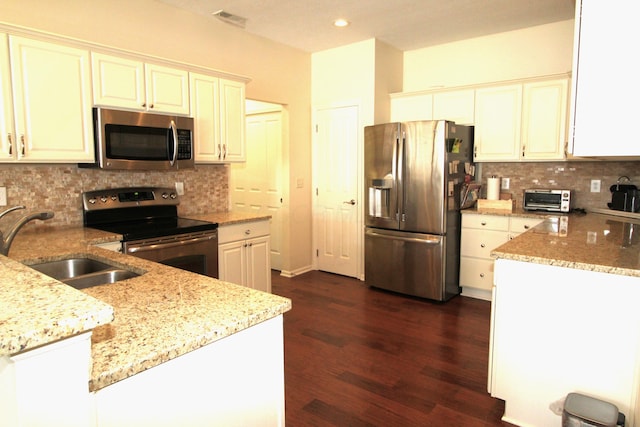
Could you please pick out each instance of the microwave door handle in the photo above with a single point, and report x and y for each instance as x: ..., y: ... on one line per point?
x: 174, y: 131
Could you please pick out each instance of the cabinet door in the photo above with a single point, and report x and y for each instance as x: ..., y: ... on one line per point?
x: 544, y: 120
x: 232, y: 120
x: 456, y: 106
x: 7, y: 135
x: 259, y: 270
x: 476, y: 273
x: 497, y: 123
x: 232, y: 262
x: 605, y: 74
x: 167, y: 89
x: 413, y: 107
x: 205, y: 108
x: 52, y: 101
x: 118, y: 82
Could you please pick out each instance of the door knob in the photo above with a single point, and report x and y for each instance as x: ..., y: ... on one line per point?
x: 350, y: 202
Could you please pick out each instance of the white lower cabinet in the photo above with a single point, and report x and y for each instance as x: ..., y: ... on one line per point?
x: 244, y: 254
x: 481, y: 233
x: 47, y: 386
x: 236, y: 381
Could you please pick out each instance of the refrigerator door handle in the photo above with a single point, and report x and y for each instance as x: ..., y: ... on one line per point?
x: 394, y: 170
x: 426, y: 240
x: 401, y: 158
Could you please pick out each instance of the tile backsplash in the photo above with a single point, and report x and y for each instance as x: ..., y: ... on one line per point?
x: 59, y: 188
x: 574, y: 175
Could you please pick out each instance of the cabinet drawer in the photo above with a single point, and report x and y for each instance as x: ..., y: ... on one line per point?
x: 476, y: 273
x: 480, y: 243
x: 243, y: 230
x: 488, y: 222
x: 520, y: 225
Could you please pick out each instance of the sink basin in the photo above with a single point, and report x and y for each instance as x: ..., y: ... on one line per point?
x: 83, y: 273
x: 100, y: 278
x: 70, y: 268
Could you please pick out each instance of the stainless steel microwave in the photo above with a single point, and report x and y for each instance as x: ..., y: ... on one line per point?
x: 132, y: 140
x: 538, y: 199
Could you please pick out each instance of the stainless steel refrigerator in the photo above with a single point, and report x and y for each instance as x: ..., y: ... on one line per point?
x: 413, y: 175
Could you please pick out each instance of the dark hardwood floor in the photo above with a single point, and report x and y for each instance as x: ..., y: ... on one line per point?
x: 357, y: 356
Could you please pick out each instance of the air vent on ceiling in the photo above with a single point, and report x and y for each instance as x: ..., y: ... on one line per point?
x: 230, y: 18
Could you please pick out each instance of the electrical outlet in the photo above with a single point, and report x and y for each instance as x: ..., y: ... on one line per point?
x: 3, y: 196
x: 505, y: 183
x: 595, y: 185
x: 180, y: 188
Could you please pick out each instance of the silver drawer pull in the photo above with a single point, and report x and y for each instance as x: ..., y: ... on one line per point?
x: 482, y: 245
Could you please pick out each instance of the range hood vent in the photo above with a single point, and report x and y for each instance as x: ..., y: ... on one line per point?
x: 230, y: 18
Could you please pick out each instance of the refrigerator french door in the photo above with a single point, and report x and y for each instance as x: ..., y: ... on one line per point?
x: 413, y: 173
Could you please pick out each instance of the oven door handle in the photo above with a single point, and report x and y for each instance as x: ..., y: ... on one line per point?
x: 173, y: 244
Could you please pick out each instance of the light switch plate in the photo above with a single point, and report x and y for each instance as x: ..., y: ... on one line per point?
x: 3, y: 196
x: 595, y: 185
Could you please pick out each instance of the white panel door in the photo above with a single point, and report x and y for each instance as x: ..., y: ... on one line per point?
x: 336, y: 209
x: 256, y: 185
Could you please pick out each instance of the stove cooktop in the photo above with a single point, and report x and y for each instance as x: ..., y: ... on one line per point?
x: 159, y: 227
x: 139, y: 213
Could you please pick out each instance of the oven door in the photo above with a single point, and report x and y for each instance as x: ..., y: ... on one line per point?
x: 196, y: 252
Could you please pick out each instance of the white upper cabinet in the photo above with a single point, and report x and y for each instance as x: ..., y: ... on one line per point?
x: 205, y: 108
x: 411, y: 107
x: 606, y: 85
x: 232, y: 120
x: 544, y: 120
x: 456, y: 106
x: 498, y: 115
x: 132, y: 84
x: 7, y: 134
x: 50, y: 94
x: 218, y: 109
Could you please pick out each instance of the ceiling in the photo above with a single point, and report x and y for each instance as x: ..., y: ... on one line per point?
x: 404, y: 24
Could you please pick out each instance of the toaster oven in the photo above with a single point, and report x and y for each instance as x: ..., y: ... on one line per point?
x: 539, y: 199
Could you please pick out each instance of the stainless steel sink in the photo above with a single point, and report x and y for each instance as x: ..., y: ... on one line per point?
x: 70, y: 268
x: 100, y: 278
x: 83, y: 272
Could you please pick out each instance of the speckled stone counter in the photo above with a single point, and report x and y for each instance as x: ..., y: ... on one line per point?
x: 518, y: 212
x: 140, y: 322
x: 592, y: 242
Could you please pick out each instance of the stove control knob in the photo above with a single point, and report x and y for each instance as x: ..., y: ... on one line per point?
x: 103, y: 199
x: 165, y: 195
x: 92, y: 201
x: 114, y: 197
x: 173, y: 195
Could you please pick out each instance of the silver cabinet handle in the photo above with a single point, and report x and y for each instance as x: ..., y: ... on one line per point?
x: 482, y: 245
x: 350, y: 202
x: 10, y: 144
x: 22, y: 145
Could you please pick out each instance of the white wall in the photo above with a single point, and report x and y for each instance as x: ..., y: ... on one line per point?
x: 535, y: 51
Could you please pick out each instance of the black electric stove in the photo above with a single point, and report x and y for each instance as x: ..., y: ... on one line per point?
x: 139, y: 213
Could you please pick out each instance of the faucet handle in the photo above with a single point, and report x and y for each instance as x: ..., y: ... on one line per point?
x: 15, y: 208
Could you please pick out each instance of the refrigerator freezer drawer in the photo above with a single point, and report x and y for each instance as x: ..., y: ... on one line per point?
x: 408, y: 263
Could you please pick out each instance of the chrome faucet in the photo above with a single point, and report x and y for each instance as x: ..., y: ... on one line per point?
x: 11, y: 234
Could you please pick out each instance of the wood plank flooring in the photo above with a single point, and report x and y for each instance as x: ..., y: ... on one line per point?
x: 357, y: 356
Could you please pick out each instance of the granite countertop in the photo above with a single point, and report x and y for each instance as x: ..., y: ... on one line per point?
x: 517, y: 212
x: 595, y: 242
x: 137, y: 323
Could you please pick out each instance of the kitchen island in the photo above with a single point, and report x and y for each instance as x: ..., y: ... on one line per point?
x: 565, y: 317
x: 164, y: 348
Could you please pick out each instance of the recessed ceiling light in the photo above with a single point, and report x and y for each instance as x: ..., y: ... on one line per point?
x: 341, y: 23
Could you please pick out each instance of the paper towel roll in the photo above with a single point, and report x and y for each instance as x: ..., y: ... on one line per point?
x: 493, y: 188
